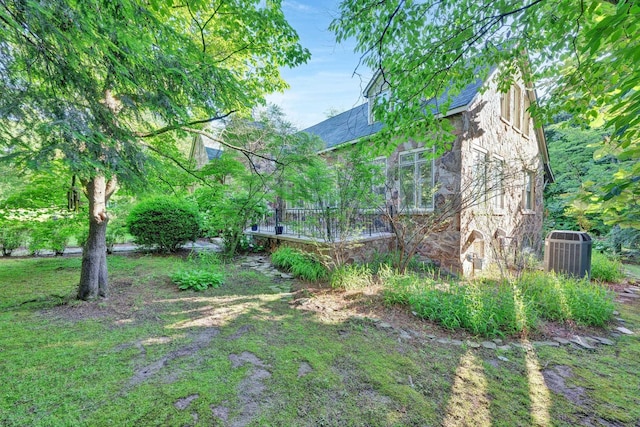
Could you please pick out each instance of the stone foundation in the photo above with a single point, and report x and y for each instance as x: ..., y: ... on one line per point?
x: 360, y: 251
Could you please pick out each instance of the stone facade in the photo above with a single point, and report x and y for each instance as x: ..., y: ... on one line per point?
x: 487, y: 221
x: 486, y: 192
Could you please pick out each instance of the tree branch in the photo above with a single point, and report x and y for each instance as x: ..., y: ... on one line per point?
x: 180, y: 126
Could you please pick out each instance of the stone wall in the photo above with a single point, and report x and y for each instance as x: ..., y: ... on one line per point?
x: 490, y: 234
x: 361, y: 250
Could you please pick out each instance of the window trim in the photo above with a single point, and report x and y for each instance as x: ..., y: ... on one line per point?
x: 417, y: 195
x: 476, y: 153
x: 385, y: 172
x: 498, y: 171
x: 516, y: 112
x: 530, y: 194
x: 505, y: 106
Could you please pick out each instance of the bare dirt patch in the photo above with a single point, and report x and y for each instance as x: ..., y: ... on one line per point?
x: 184, y: 403
x: 251, y: 389
x: 556, y: 377
x: 145, y: 372
x: 304, y: 369
x: 126, y: 303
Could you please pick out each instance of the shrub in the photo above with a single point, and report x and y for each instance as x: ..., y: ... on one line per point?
x: 299, y: 264
x: 199, y: 272
x: 38, y: 237
x: 163, y: 222
x: 58, y: 237
x: 11, y: 236
x: 605, y: 268
x: 351, y: 276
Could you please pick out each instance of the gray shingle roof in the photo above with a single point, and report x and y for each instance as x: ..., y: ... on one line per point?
x: 213, y: 153
x: 354, y: 124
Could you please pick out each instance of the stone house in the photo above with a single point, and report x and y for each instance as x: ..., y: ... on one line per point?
x: 496, y: 169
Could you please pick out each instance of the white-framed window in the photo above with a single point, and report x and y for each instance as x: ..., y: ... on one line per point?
x: 415, y: 176
x: 505, y: 105
x: 379, y: 180
x: 497, y: 183
x: 479, y: 175
x: 529, y: 193
x: 517, y: 107
x: 526, y: 116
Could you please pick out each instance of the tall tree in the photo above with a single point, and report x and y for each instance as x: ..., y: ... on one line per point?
x: 585, y: 53
x: 95, y: 82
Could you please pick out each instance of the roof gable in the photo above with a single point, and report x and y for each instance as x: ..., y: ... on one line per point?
x: 354, y: 124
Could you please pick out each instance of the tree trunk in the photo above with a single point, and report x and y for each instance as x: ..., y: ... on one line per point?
x: 93, y: 276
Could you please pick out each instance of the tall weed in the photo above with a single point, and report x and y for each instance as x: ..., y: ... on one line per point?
x: 351, y: 276
x: 497, y: 308
x: 605, y: 268
x: 300, y: 264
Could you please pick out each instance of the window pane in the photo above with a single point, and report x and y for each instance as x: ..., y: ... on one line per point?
x: 479, y: 176
x: 426, y: 187
x: 407, y: 158
x: 517, y: 114
x: 506, y: 105
x: 379, y: 179
x: 529, y: 191
x: 497, y: 184
x: 407, y: 186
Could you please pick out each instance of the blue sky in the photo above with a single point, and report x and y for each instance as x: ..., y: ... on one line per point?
x: 327, y: 81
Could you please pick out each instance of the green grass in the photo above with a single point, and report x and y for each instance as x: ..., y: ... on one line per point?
x: 632, y: 270
x: 605, y: 268
x: 502, y: 308
x: 68, y: 363
x: 300, y: 264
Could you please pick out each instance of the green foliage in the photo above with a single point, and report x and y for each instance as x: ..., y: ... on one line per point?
x: 562, y: 298
x: 352, y: 276
x: 481, y: 308
x: 300, y: 264
x: 149, y: 70
x: 502, y: 308
x: 197, y: 280
x: 100, y: 84
x: 433, y: 49
x: 12, y: 236
x: 164, y: 222
x: 59, y: 235
x: 605, y: 268
x: 572, y: 149
x: 201, y: 271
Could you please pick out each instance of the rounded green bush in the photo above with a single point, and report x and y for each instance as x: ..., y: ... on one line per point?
x: 164, y: 222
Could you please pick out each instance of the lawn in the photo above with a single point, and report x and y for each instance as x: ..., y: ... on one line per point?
x: 262, y: 350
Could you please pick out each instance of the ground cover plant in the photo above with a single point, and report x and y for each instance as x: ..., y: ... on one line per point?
x: 201, y: 271
x: 300, y: 264
x: 501, y: 308
x: 264, y: 350
x: 605, y: 268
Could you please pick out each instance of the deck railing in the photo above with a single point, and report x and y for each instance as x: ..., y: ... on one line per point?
x: 327, y: 224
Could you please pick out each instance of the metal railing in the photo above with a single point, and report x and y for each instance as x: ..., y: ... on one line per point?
x: 327, y: 224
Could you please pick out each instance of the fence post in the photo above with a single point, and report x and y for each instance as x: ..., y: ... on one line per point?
x: 328, y: 216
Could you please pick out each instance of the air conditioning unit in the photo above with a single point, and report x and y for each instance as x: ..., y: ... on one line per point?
x: 568, y: 252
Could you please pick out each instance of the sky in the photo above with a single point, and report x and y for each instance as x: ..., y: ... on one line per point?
x: 327, y: 81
